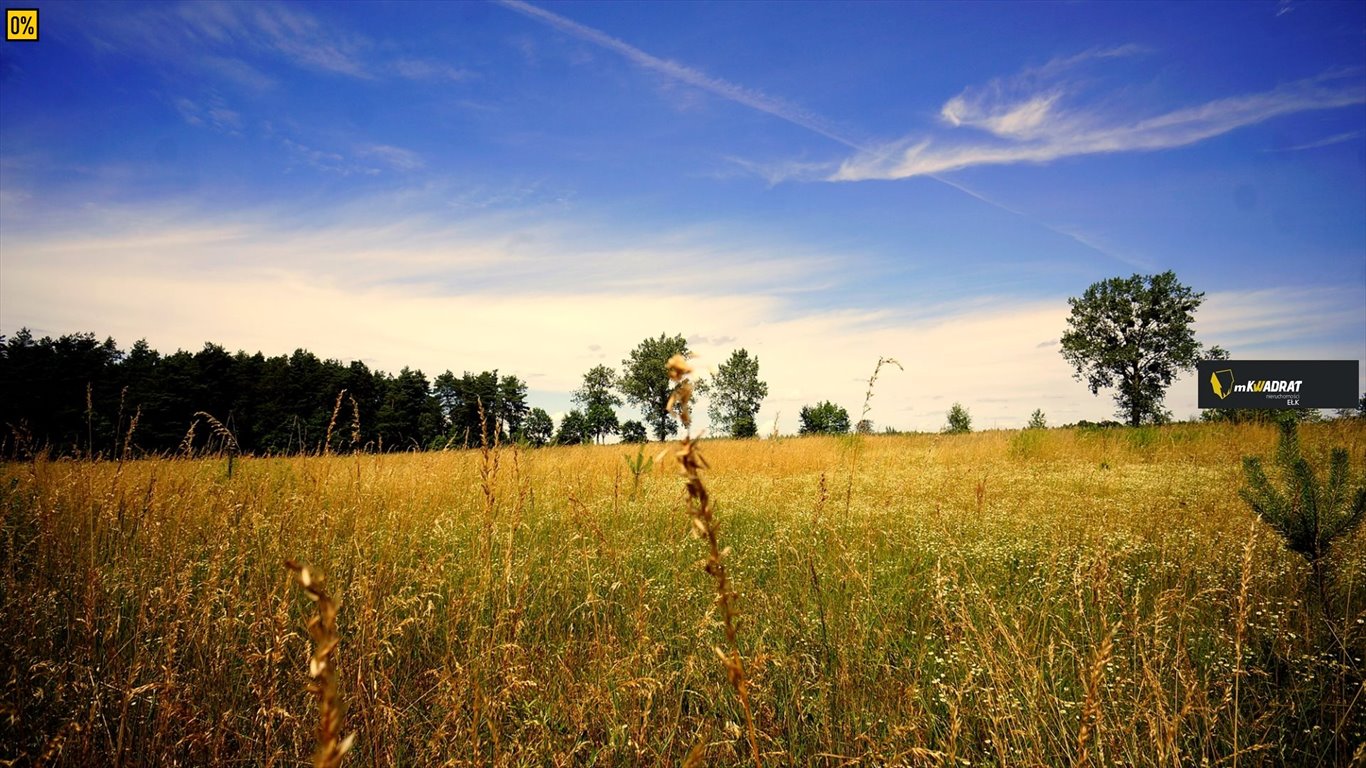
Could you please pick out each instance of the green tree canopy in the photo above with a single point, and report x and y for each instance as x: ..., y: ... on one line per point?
x: 408, y: 417
x: 645, y: 383
x: 633, y: 432
x: 960, y: 422
x: 825, y: 418
x: 573, y: 429
x: 598, y: 401
x: 142, y: 401
x: 735, y: 394
x: 538, y: 427
x: 1134, y: 334
x: 502, y: 400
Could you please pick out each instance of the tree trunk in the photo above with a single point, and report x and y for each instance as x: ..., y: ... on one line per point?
x: 1135, y: 412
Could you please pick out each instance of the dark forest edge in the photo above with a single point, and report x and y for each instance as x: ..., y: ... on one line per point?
x: 79, y: 396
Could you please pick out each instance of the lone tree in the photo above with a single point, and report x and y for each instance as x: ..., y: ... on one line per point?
x: 1134, y: 334
x: 826, y: 418
x: 598, y: 401
x: 645, y: 381
x: 735, y: 394
x: 960, y: 422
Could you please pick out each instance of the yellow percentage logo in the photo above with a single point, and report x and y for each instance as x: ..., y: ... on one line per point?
x: 21, y: 24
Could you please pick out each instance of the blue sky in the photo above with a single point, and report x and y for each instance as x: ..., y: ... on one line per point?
x: 536, y: 187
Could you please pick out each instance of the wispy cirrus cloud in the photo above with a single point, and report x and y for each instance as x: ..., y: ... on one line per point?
x: 1324, y: 142
x: 739, y: 94
x: 222, y: 38
x: 234, y: 42
x: 363, y: 160
x: 1036, y: 117
x: 430, y: 70
x: 398, y: 158
x: 212, y: 112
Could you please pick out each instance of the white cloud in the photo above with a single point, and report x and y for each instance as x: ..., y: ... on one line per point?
x: 1037, y: 126
x: 1022, y: 121
x: 398, y: 158
x: 1328, y: 141
x: 425, y: 69
x: 302, y: 39
x: 225, y: 38
x: 1275, y: 323
x: 325, y: 160
x: 212, y: 113
x: 237, y: 72
x: 189, y: 111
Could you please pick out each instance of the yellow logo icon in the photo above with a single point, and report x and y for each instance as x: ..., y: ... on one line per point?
x: 21, y: 24
x: 1222, y: 382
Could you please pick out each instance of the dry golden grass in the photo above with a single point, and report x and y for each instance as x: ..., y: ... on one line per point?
x: 322, y: 668
x: 1035, y: 599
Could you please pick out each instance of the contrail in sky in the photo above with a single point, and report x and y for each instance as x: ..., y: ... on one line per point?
x: 726, y: 90
x: 739, y: 94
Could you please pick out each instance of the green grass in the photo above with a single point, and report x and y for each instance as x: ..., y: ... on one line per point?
x: 541, y: 613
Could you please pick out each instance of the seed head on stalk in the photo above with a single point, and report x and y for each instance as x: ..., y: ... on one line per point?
x: 704, y: 526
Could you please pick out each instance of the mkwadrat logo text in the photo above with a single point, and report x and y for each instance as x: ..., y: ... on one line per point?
x: 1277, y: 383
x: 1222, y: 382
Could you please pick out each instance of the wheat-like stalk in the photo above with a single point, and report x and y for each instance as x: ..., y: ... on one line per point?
x: 89, y: 420
x: 187, y: 442
x: 355, y: 423
x: 118, y: 423
x: 322, y: 627
x: 128, y: 436
x: 229, y: 441
x: 332, y: 422
x: 863, y: 420
x: 1090, y: 711
x: 701, y: 510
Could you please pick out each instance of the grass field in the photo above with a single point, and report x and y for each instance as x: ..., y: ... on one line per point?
x: 1045, y: 598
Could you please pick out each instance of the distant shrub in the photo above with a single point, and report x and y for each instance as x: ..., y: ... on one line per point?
x: 825, y: 418
x: 960, y: 421
x: 1036, y: 420
x: 1107, y: 424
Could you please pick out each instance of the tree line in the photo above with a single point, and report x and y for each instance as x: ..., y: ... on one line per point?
x: 79, y: 396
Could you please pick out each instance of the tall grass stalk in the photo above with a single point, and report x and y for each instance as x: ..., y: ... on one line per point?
x: 322, y: 668
x: 705, y: 526
x: 863, y: 418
